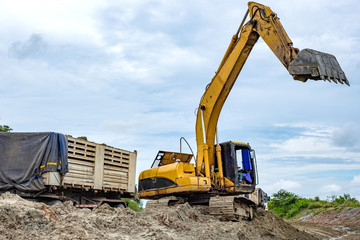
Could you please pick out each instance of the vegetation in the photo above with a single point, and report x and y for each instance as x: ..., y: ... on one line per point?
x: 134, y: 204
x: 287, y: 204
x: 5, y: 128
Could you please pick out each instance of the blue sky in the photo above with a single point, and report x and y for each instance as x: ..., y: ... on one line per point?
x: 131, y: 73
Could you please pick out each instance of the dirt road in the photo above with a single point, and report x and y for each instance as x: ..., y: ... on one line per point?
x: 333, y: 224
x: 332, y: 232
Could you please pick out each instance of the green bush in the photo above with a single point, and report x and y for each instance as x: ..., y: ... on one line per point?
x: 287, y: 205
x: 339, y: 200
x: 134, y: 204
x: 313, y: 205
x: 327, y: 205
x: 5, y: 128
x: 291, y: 213
x: 345, y: 201
x: 281, y: 202
x: 299, y: 205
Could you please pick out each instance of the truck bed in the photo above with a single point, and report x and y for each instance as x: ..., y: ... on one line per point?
x: 96, y: 166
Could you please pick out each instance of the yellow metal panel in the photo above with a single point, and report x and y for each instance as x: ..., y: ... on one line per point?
x: 185, y: 185
x: 189, y: 168
x: 241, y: 143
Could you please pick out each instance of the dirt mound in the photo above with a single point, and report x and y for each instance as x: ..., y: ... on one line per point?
x: 22, y: 219
x: 345, y: 221
x: 345, y: 216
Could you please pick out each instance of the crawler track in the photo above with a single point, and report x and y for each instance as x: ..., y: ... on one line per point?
x: 232, y: 208
x: 227, y: 208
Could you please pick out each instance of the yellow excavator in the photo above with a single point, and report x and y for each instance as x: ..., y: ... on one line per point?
x: 223, y: 172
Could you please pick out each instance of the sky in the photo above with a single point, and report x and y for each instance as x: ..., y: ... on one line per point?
x: 130, y: 74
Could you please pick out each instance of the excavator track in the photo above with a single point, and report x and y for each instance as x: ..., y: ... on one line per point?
x: 231, y: 208
x: 227, y: 208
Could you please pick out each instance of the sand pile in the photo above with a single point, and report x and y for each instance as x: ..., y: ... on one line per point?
x: 22, y: 219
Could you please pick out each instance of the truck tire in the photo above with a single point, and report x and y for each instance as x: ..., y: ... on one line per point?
x: 55, y: 202
x: 120, y: 205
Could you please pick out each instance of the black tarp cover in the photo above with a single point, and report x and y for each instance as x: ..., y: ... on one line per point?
x: 25, y: 156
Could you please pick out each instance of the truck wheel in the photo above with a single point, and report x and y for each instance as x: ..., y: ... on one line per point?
x: 55, y: 202
x: 120, y: 205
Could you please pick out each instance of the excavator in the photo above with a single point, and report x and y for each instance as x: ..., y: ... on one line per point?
x: 222, y: 173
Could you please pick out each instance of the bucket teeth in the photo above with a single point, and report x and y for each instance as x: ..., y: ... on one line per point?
x: 315, y: 65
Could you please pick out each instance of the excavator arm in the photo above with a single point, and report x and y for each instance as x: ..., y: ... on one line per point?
x: 302, y: 65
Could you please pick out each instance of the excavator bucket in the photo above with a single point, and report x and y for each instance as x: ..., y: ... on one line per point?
x: 315, y: 65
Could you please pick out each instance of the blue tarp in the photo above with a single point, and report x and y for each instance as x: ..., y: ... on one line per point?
x: 25, y: 156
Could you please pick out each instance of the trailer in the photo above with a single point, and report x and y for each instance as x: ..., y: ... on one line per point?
x: 65, y: 168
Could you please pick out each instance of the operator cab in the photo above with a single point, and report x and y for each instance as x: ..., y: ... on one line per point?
x: 239, y: 165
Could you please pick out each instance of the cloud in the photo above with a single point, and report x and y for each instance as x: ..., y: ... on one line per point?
x: 130, y: 56
x: 317, y: 141
x: 356, y: 180
x: 331, y: 188
x: 348, y: 136
x: 160, y: 122
x: 305, y: 153
x: 288, y: 185
x: 65, y: 21
x: 34, y: 47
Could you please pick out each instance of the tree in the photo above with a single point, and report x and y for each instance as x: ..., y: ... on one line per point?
x: 284, y: 197
x: 282, y: 201
x: 5, y: 128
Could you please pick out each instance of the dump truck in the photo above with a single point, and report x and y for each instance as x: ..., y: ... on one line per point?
x: 53, y: 168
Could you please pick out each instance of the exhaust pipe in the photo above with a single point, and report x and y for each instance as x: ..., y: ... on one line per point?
x: 315, y: 65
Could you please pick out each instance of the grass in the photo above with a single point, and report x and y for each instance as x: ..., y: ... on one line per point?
x: 288, y: 205
x: 318, y: 211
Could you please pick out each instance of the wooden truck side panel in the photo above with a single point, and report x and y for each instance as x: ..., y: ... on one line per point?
x: 96, y: 166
